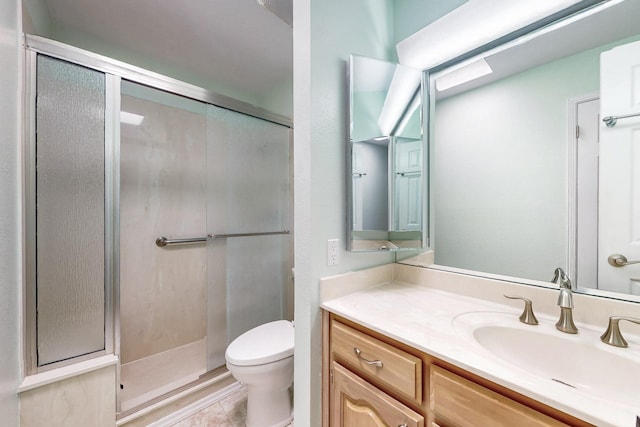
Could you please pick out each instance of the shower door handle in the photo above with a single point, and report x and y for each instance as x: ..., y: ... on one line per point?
x: 161, y: 242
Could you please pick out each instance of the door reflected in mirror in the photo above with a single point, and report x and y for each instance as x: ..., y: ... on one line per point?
x: 386, y: 157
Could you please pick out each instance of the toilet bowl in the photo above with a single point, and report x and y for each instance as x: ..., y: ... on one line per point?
x: 262, y: 359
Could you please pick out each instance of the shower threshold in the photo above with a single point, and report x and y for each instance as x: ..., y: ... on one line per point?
x: 185, y: 392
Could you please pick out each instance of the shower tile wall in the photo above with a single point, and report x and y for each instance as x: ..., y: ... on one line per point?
x: 162, y: 194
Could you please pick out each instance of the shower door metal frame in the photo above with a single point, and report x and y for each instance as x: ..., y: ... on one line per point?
x: 114, y: 71
x: 29, y: 149
x: 111, y: 187
x: 148, y: 78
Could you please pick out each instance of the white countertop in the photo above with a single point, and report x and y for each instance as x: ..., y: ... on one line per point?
x: 423, y: 318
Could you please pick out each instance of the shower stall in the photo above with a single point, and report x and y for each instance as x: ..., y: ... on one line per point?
x: 177, y: 209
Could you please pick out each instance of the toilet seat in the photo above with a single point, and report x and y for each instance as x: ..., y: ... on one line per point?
x: 263, y: 344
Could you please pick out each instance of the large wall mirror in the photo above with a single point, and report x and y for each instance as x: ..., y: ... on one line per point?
x: 386, y: 157
x: 526, y: 175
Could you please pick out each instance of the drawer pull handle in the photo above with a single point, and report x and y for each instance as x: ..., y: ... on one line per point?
x: 358, y: 353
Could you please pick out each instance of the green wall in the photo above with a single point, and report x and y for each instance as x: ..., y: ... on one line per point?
x: 326, y: 32
x: 413, y: 15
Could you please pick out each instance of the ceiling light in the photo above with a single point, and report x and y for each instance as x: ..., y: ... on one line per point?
x: 131, y: 118
x: 408, y: 114
x: 463, y: 74
x: 472, y: 25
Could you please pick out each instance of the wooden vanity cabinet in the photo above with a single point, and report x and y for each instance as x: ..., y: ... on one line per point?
x: 387, y: 366
x: 371, y: 380
x: 456, y: 401
x: 357, y: 403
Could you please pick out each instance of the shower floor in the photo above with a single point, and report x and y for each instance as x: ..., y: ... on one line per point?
x: 145, y: 379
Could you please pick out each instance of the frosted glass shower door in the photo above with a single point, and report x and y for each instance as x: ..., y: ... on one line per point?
x: 69, y: 203
x: 162, y: 289
x: 248, y: 179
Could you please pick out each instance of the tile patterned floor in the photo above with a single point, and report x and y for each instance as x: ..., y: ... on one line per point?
x: 228, y: 412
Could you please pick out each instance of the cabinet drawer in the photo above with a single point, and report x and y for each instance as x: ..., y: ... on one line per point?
x: 358, y: 403
x: 383, y: 364
x: 456, y: 401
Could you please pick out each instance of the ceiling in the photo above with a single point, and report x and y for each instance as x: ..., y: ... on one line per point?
x: 238, y: 44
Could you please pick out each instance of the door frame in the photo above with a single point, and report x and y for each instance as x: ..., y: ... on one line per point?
x: 572, y: 177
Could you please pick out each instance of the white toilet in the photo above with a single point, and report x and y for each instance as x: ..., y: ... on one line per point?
x: 262, y: 359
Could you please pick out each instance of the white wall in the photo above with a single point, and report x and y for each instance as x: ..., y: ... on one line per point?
x: 37, y: 21
x: 325, y: 33
x: 35, y: 18
x: 10, y: 224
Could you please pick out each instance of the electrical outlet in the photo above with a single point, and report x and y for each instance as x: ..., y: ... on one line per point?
x: 332, y: 251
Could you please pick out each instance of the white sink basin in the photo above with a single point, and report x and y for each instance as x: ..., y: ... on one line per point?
x: 578, y: 361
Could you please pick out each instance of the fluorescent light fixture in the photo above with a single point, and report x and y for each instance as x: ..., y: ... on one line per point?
x: 568, y: 21
x: 131, y: 118
x: 404, y: 84
x: 472, y: 25
x: 463, y: 74
x: 415, y: 103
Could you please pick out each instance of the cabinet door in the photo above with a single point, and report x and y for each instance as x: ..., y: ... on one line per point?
x: 458, y: 402
x: 356, y: 403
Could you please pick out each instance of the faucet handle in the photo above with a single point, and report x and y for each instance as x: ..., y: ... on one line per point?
x: 527, y: 315
x: 612, y: 335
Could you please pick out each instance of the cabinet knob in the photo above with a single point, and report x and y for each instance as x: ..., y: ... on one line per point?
x: 358, y: 353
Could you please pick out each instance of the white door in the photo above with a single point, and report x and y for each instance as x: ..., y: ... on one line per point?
x: 619, y: 198
x: 408, y: 185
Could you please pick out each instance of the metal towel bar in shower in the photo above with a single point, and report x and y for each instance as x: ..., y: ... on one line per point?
x: 163, y: 241
x: 267, y: 233
x: 611, y: 121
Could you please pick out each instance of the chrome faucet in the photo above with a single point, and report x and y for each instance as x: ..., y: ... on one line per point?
x: 565, y: 302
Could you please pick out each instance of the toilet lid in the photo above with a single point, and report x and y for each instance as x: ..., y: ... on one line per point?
x: 263, y: 344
